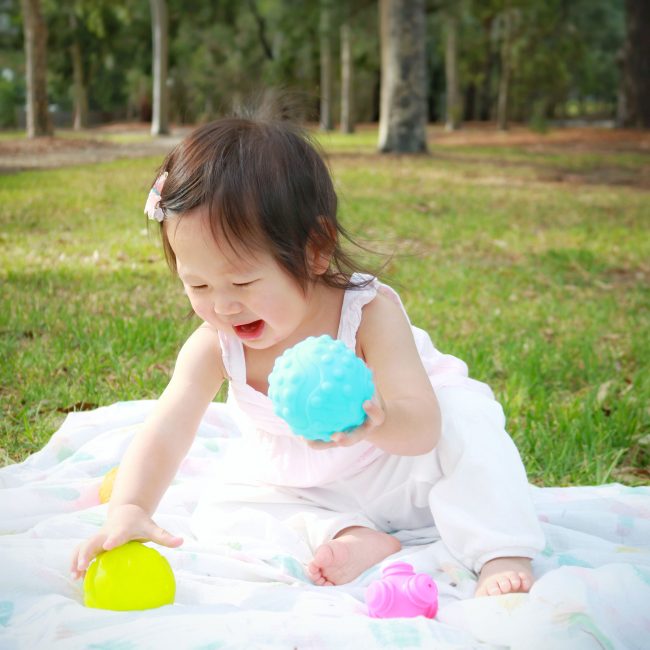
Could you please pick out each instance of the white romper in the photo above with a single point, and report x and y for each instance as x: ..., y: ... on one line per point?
x: 472, y: 486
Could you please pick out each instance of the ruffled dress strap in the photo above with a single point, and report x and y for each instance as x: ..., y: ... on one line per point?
x: 232, y: 354
x: 354, y: 301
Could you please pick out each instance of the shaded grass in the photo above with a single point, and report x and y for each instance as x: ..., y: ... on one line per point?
x: 573, y: 160
x: 86, y: 134
x: 541, y: 287
x: 12, y: 135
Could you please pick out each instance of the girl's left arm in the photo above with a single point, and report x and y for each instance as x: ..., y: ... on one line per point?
x: 403, y: 416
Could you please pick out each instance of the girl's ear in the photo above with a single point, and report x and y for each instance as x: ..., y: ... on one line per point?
x: 321, y: 247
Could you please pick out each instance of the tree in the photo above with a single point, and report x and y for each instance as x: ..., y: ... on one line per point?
x: 451, y: 71
x: 347, y: 68
x: 543, y: 59
x: 159, y: 28
x: 507, y: 65
x: 636, y: 64
x: 326, y: 66
x: 38, y: 118
x: 96, y: 48
x: 79, y: 90
x: 403, y: 103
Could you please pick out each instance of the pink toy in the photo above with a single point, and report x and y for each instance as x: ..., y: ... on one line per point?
x: 402, y: 593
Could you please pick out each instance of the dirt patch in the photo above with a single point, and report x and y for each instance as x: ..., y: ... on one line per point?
x: 131, y: 140
x: 48, y: 145
x: 89, y: 147
x: 464, y: 147
x: 584, y: 139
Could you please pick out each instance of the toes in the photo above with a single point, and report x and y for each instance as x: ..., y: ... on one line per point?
x: 494, y: 588
x: 314, y: 572
x: 511, y: 582
x: 323, y: 568
x: 320, y: 580
x: 315, y: 575
x: 324, y: 556
x: 505, y: 583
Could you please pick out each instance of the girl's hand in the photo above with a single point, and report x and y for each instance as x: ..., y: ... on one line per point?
x: 125, y: 523
x: 374, y: 409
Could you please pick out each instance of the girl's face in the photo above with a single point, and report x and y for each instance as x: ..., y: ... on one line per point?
x: 249, y: 296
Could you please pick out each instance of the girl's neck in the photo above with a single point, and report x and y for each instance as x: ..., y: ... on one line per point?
x: 323, y: 318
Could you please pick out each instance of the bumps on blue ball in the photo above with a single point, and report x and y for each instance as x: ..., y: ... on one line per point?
x: 319, y: 386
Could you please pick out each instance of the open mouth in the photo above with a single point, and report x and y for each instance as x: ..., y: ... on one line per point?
x: 249, y: 331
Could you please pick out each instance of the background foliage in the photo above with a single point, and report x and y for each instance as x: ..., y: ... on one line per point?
x: 566, y: 55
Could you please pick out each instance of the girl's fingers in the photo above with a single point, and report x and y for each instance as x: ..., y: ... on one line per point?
x: 113, y: 541
x: 376, y: 417
x: 74, y: 562
x: 132, y: 524
x: 374, y: 411
x: 85, y: 554
x: 320, y: 444
x: 161, y: 536
x: 150, y: 532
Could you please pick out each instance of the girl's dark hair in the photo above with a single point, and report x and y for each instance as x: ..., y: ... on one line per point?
x: 265, y: 186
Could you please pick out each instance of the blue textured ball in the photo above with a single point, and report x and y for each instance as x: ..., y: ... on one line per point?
x: 319, y: 386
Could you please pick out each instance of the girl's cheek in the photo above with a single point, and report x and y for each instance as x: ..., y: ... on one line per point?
x: 202, y: 310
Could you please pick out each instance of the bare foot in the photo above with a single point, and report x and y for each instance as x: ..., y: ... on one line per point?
x: 349, y: 554
x: 505, y: 575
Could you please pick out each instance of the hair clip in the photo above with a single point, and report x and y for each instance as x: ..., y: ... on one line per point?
x: 152, y: 206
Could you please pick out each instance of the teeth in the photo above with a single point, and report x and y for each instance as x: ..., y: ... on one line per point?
x: 249, y: 326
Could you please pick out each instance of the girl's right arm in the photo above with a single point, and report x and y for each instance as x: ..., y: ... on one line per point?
x: 152, y: 459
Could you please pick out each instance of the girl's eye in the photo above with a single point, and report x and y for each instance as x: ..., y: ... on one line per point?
x: 200, y: 286
x: 243, y: 284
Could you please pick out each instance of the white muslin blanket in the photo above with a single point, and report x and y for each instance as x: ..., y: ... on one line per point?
x: 592, y: 588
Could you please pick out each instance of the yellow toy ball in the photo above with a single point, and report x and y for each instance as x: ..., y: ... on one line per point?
x: 106, y: 488
x: 129, y: 577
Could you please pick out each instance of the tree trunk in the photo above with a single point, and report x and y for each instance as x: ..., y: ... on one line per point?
x: 485, y: 104
x: 159, y: 29
x: 325, y: 66
x: 35, y: 32
x: 347, y: 93
x: 470, y: 103
x: 451, y: 72
x: 79, y: 93
x: 506, y: 69
x: 636, y: 65
x: 403, y: 106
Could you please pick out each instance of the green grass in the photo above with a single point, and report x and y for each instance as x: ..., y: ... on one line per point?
x: 576, y: 160
x: 541, y: 287
x: 7, y: 136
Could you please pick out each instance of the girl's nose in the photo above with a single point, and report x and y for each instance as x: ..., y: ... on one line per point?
x: 226, y: 307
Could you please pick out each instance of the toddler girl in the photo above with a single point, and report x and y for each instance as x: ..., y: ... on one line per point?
x: 248, y: 218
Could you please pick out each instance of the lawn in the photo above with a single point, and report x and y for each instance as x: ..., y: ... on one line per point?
x: 529, y: 263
